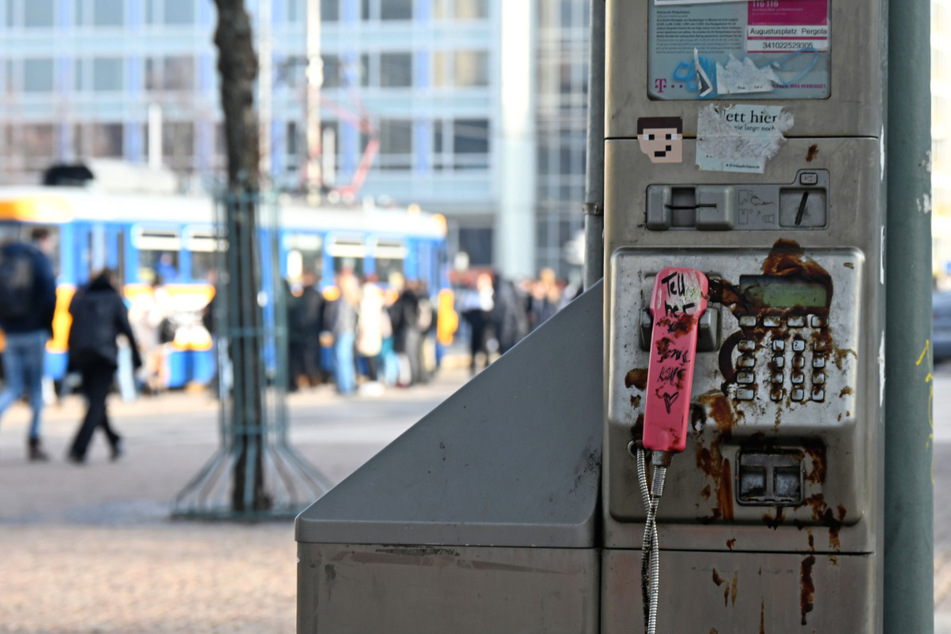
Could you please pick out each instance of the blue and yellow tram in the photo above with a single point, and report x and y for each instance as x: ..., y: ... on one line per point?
x: 145, y: 235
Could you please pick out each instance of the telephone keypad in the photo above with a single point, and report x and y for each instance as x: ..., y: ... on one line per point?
x: 782, y: 366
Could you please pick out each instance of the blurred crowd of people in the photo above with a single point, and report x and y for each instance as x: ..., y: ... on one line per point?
x: 360, y: 336
x: 500, y: 312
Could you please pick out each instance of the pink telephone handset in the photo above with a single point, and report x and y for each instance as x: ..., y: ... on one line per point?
x: 677, y: 302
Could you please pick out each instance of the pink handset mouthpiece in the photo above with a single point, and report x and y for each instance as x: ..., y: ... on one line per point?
x: 678, y: 300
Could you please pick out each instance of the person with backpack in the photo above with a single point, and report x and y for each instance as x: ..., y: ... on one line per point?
x: 27, y: 306
x: 99, y: 316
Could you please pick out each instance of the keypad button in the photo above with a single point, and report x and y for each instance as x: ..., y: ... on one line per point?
x: 798, y: 345
x: 746, y: 345
x: 746, y: 361
x: 771, y: 321
x: 820, y: 346
x: 799, y: 361
x: 778, y: 377
x: 818, y: 394
x: 745, y: 394
x: 797, y: 394
x: 818, y: 362
x: 797, y: 378
x: 747, y: 321
x: 779, y: 344
x: 796, y: 321
x: 777, y: 394
x: 779, y: 363
x: 744, y: 377
x: 818, y: 378
x: 815, y: 321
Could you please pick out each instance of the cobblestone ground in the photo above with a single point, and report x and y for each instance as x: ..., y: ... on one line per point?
x: 163, y: 577
x: 91, y: 548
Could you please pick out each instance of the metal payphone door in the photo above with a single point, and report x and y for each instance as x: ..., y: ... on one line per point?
x: 771, y: 516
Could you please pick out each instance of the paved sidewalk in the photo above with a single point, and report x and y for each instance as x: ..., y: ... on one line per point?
x: 91, y: 548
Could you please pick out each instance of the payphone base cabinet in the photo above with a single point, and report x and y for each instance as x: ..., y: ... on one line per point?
x: 730, y: 592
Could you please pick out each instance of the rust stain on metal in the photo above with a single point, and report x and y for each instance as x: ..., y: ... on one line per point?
x: 822, y: 513
x: 636, y: 378
x: 709, y: 459
x: 807, y: 587
x: 725, y: 492
x: 635, y: 401
x: 720, y: 581
x: 762, y: 616
x: 705, y: 493
x: 730, y: 543
x: 736, y: 579
x: 774, y: 522
x: 817, y: 452
x: 849, y: 265
x: 812, y: 153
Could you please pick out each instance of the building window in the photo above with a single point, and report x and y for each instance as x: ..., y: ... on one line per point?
x: 396, y: 10
x: 179, y: 12
x: 396, y: 144
x: 107, y: 74
x: 106, y: 140
x: 461, y: 9
x: 460, y: 68
x: 38, y: 75
x: 470, y: 140
x: 39, y: 142
x: 108, y: 12
x: 170, y: 73
x: 37, y: 13
x: 471, y: 68
x: 329, y: 10
x: 333, y: 77
x: 386, y: 10
x: 396, y: 70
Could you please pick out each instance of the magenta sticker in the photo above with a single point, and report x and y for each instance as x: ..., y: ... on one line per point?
x: 788, y: 12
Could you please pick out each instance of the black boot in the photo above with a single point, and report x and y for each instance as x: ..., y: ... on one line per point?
x: 35, y: 452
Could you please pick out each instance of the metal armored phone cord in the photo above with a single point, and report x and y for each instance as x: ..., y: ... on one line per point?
x: 650, y: 546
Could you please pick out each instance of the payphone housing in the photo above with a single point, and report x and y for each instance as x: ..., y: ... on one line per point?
x: 772, y: 515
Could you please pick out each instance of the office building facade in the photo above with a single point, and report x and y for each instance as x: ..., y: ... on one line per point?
x: 472, y: 108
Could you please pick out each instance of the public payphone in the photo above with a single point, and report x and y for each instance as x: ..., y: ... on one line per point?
x: 744, y: 166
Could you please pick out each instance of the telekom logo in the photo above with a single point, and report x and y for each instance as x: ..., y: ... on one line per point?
x: 660, y: 83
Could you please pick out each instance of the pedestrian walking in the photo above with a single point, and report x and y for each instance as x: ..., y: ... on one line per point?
x: 99, y: 317
x: 373, y: 325
x: 344, y: 329
x: 27, y: 306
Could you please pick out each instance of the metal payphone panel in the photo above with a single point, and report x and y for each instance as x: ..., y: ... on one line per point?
x: 786, y: 400
x: 774, y: 385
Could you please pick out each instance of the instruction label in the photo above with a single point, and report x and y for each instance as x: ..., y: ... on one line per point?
x: 773, y: 49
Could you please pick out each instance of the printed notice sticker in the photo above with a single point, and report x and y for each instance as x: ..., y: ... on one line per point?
x: 773, y: 49
x: 740, y: 138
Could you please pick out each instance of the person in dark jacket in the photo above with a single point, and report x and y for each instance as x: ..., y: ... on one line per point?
x: 99, y: 316
x: 26, y: 336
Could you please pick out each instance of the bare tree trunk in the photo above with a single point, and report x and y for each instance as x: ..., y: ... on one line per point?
x: 238, y: 66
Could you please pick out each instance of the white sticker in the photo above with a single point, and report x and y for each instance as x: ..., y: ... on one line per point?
x: 744, y: 77
x: 740, y: 137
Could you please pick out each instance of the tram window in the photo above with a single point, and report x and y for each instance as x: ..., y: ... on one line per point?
x: 158, y: 254
x: 390, y: 257
x: 348, y: 255
x: 203, y: 248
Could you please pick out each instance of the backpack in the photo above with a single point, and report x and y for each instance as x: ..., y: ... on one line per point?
x: 16, y: 285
